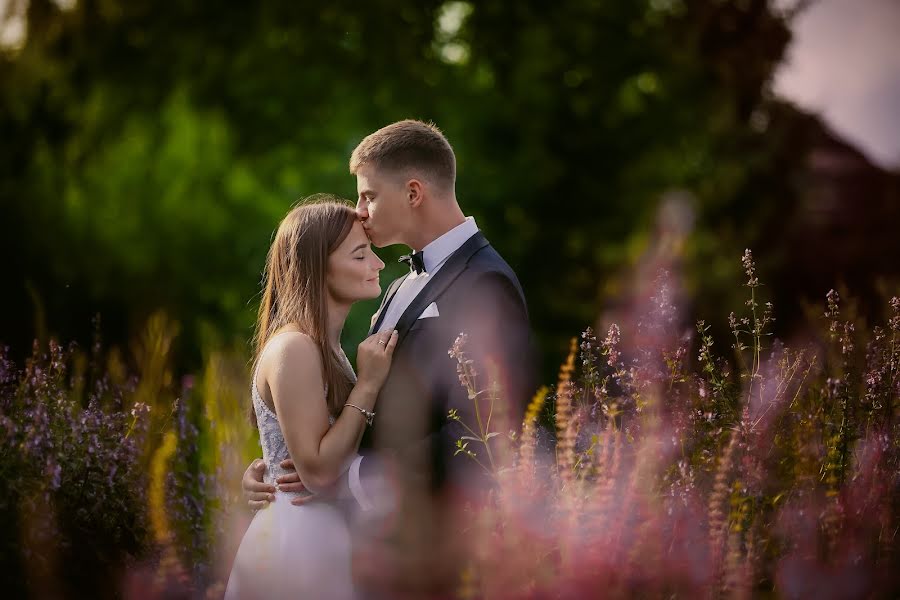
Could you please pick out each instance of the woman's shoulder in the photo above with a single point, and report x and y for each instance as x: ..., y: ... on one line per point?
x: 289, y: 359
x: 290, y: 338
x: 293, y: 347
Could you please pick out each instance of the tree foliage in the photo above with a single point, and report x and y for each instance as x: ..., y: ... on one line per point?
x: 150, y: 149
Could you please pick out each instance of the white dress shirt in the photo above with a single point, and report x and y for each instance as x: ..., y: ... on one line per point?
x: 435, y: 255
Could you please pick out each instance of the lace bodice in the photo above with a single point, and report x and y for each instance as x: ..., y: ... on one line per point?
x: 271, y: 438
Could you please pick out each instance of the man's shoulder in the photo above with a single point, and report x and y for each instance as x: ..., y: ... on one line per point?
x: 487, y: 261
x: 488, y: 274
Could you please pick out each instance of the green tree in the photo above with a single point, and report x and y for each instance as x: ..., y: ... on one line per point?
x: 152, y: 149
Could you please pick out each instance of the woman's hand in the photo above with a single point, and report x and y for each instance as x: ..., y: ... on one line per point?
x: 373, y: 358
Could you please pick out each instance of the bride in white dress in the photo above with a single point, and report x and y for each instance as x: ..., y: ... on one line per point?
x: 308, y: 403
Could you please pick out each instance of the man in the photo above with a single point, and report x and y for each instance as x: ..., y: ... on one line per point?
x: 406, y: 174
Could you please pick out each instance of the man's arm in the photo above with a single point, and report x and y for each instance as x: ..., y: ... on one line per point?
x: 260, y: 494
x: 499, y: 344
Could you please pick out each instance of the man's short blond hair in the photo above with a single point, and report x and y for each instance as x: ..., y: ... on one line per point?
x: 408, y: 145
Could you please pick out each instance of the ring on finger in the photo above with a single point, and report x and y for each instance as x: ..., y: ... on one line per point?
x: 382, y: 342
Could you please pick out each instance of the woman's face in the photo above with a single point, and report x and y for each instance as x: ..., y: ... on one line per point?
x: 352, y: 272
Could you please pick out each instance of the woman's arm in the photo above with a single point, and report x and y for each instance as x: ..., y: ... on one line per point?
x: 293, y: 375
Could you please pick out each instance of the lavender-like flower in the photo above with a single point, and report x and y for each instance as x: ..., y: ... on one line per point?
x: 749, y: 269
x: 832, y: 312
x: 611, y: 345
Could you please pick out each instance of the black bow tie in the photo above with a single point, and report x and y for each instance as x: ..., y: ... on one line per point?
x: 416, y: 262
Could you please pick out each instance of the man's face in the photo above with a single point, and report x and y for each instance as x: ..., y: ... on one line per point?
x: 382, y: 205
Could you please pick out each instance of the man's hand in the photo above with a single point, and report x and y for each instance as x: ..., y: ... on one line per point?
x: 290, y: 482
x: 259, y: 494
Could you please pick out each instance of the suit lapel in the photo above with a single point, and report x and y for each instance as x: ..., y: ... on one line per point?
x: 385, y: 302
x: 433, y: 289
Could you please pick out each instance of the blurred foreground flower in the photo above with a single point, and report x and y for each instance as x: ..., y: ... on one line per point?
x: 783, y: 476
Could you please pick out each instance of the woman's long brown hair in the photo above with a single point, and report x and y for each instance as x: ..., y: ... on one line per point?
x: 294, y: 285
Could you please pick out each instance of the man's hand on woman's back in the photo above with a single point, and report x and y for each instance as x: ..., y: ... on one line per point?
x: 259, y: 493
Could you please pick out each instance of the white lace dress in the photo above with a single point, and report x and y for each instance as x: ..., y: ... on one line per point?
x: 290, y: 551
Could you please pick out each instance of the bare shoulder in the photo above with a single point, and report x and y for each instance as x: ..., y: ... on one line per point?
x: 293, y: 341
x: 291, y: 352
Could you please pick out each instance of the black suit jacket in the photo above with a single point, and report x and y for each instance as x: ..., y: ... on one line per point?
x: 477, y: 293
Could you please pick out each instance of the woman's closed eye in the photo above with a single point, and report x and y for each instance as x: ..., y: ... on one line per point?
x: 359, y: 253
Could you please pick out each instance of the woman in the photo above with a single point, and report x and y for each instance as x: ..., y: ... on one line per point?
x: 308, y: 403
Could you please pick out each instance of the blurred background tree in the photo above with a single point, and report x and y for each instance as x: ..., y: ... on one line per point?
x: 149, y: 151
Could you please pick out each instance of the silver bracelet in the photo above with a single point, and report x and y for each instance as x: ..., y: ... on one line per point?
x: 368, y: 414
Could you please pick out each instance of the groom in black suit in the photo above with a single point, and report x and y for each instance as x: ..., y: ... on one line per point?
x: 457, y: 283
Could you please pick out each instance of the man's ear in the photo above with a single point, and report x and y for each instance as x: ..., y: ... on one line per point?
x: 415, y: 192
